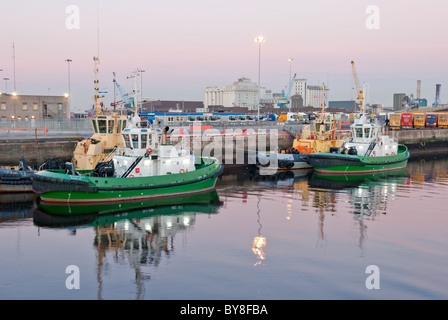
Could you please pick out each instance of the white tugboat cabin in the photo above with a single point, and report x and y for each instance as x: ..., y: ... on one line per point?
x: 147, y: 153
x: 367, y: 140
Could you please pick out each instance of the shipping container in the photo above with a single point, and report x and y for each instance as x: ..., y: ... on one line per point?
x: 442, y: 120
x: 395, y: 121
x: 406, y: 120
x: 431, y: 120
x: 419, y: 119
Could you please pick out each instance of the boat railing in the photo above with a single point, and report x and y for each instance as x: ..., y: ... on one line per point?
x: 111, y: 154
x: 370, y: 149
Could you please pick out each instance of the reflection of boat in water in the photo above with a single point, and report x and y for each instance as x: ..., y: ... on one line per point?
x: 15, y: 206
x: 140, y: 234
x: 336, y: 182
x: 56, y: 215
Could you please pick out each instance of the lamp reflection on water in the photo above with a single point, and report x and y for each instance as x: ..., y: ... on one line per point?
x: 259, y: 241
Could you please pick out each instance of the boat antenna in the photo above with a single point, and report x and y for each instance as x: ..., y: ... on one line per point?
x: 323, y: 102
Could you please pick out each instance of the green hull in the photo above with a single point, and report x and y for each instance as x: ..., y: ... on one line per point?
x: 332, y: 163
x: 63, y: 188
x: 63, y: 215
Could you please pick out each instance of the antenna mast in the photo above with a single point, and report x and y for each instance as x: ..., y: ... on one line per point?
x: 97, y: 96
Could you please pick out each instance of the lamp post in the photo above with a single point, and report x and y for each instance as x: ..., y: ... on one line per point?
x: 290, y: 60
x: 141, y: 89
x: 69, y: 94
x: 260, y: 40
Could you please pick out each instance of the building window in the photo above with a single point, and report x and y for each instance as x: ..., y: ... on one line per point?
x: 24, y: 106
x: 3, y: 106
x: 60, y: 107
x: 35, y: 106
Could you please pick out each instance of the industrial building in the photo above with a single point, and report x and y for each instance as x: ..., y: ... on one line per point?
x: 242, y: 93
x: 172, y: 106
x: 26, y: 107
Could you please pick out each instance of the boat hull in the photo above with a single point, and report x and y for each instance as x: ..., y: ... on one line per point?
x: 337, y: 164
x: 282, y: 162
x: 62, y: 188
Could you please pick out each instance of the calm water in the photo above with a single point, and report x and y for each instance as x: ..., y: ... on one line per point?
x: 302, y: 237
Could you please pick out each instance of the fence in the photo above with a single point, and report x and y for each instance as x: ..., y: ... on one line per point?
x: 47, y: 126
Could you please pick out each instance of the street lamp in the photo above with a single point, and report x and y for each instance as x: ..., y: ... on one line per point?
x: 141, y: 88
x: 260, y: 40
x: 69, y: 97
x: 290, y: 60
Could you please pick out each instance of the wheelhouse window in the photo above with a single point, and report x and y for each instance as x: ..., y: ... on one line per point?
x: 102, y: 126
x: 95, y: 127
x: 124, y: 125
x: 134, y: 138
x: 367, y: 133
x: 358, y: 132
x: 126, y: 140
x: 144, y: 138
x: 110, y: 126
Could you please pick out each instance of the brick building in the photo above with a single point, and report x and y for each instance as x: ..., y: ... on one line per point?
x: 26, y: 107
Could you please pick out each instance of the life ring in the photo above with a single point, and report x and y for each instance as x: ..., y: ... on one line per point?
x: 131, y: 176
x: 181, y: 171
x: 378, y: 139
x: 148, y: 151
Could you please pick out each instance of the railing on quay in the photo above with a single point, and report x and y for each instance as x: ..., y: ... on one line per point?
x: 46, y: 126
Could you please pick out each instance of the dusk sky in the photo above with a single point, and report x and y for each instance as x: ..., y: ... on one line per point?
x: 186, y: 45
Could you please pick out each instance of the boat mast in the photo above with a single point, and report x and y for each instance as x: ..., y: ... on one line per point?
x: 323, y: 103
x: 97, y: 96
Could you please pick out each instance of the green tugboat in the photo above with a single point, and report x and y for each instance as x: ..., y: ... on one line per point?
x: 367, y: 151
x: 146, y: 168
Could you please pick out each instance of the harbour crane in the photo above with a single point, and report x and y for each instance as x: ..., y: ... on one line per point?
x: 359, y: 92
x: 286, y: 96
x: 127, y: 100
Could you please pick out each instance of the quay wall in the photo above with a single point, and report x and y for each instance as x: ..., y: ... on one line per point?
x: 34, y: 151
x: 425, y: 143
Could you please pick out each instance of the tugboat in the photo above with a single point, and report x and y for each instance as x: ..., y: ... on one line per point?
x: 367, y: 151
x: 320, y: 136
x: 146, y: 168
x: 106, y: 134
x: 21, y: 180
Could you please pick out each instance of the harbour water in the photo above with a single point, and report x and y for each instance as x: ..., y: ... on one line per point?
x: 287, y: 237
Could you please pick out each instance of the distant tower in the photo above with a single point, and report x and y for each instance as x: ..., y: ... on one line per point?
x: 436, y: 103
x: 419, y: 88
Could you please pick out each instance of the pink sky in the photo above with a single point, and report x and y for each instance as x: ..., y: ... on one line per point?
x: 185, y: 46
